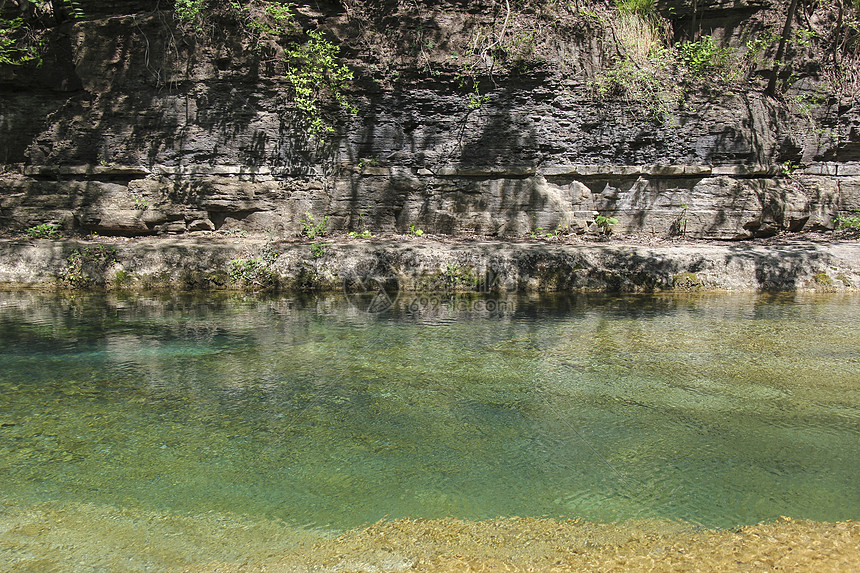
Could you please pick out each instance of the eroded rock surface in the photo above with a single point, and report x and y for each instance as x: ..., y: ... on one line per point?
x: 427, y: 265
x: 132, y: 129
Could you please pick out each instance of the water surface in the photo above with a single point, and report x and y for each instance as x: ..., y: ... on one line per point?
x: 720, y: 410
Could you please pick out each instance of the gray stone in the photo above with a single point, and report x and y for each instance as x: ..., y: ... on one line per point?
x: 849, y: 169
x: 201, y: 225
x: 420, y: 266
x: 95, y: 134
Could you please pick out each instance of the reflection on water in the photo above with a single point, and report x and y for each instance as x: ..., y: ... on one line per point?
x: 719, y: 410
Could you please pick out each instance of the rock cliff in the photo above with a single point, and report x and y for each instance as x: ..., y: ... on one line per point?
x: 136, y: 125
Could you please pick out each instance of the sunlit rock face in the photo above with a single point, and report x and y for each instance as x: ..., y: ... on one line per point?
x: 134, y: 127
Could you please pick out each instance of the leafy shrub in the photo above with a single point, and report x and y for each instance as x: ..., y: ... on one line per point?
x: 756, y: 54
x: 851, y: 225
x: 644, y: 84
x: 251, y: 272
x: 85, y: 266
x: 313, y: 69
x: 189, y: 11
x: 273, y: 20
x: 16, y: 48
x: 605, y: 223
x: 311, y: 228
x: 705, y: 57
x: 255, y: 272
x: 643, y: 68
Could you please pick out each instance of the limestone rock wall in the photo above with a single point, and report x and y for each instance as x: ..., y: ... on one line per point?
x: 131, y: 128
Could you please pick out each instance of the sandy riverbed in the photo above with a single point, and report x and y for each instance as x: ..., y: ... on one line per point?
x: 49, y: 537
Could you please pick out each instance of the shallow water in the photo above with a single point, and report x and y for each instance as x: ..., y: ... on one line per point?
x: 719, y: 410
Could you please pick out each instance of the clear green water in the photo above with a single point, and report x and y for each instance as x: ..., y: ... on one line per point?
x: 719, y: 410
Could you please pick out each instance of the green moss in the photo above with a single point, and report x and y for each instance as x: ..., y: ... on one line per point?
x: 823, y: 279
x: 217, y: 279
x: 457, y: 277
x: 686, y: 281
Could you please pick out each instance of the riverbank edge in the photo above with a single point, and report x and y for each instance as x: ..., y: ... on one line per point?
x: 62, y: 537
x: 411, y: 264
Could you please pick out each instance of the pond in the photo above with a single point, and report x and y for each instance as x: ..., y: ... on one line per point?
x: 291, y: 418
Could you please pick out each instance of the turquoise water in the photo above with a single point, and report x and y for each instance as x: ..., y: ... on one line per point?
x: 719, y: 410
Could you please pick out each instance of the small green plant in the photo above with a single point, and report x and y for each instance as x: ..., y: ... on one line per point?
x: 805, y: 37
x: 318, y: 249
x: 311, y: 228
x: 368, y: 162
x: 788, y: 168
x: 587, y: 13
x: 558, y: 232
x: 140, y: 203
x: 823, y: 279
x: 415, y: 232
x: 550, y: 234
x: 686, y: 281
x: 761, y: 42
x: 604, y: 224
x: 251, y: 272
x: 757, y: 48
x: 45, y: 231
x: 477, y: 100
x: 121, y: 278
x: 363, y: 234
